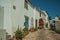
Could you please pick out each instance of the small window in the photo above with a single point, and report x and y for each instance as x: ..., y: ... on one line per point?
x: 14, y: 7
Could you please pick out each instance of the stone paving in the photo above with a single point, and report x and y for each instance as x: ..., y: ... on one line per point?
x: 42, y: 34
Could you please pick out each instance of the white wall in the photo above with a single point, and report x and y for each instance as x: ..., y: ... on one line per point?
x: 15, y: 17
x: 18, y: 14
x: 1, y: 17
x: 45, y: 17
x: 57, y: 24
x: 37, y: 16
x: 30, y: 14
x: 7, y: 14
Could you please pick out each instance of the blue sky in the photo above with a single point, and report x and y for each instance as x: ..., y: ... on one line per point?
x: 51, y: 6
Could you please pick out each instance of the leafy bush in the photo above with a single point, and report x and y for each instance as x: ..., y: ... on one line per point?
x: 19, y: 34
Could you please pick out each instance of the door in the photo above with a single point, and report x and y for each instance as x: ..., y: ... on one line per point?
x: 26, y: 23
x: 41, y: 23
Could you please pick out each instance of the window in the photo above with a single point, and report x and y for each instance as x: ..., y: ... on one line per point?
x: 26, y: 4
x: 14, y: 7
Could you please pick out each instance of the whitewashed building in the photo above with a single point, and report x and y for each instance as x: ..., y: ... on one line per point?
x: 13, y: 12
x: 44, y: 16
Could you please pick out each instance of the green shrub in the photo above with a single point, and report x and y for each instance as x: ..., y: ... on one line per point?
x: 19, y: 34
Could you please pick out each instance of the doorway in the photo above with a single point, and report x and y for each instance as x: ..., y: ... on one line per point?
x: 26, y: 23
x: 41, y: 23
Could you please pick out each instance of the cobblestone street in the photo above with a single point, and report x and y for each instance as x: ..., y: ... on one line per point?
x: 42, y: 34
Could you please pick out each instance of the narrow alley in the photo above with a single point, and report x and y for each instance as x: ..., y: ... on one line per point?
x: 43, y: 34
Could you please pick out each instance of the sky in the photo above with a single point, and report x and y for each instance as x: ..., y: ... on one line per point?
x: 51, y: 6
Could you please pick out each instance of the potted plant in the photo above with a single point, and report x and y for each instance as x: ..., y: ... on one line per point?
x: 19, y: 34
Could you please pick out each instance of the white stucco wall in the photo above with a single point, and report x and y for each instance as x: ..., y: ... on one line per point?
x: 45, y: 17
x: 31, y: 15
x: 15, y: 17
x: 18, y: 14
x: 37, y: 16
x: 2, y: 31
x: 1, y: 17
x: 7, y: 15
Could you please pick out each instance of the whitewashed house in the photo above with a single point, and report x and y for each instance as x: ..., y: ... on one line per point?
x: 44, y: 16
x: 13, y: 14
x: 57, y: 24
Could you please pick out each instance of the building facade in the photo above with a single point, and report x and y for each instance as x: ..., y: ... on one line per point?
x: 44, y: 16
x: 19, y: 13
x: 14, y: 12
